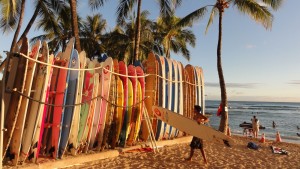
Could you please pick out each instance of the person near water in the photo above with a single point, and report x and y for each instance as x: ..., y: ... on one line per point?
x: 255, y: 126
x: 274, y: 124
x: 196, y: 142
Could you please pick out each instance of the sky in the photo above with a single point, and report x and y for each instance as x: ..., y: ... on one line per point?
x: 258, y: 64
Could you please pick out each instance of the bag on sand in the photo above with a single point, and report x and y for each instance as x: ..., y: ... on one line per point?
x: 252, y: 145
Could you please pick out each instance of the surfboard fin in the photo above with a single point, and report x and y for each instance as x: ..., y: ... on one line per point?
x: 226, y: 143
x: 70, y: 146
x: 31, y: 156
x: 35, y: 145
x: 52, y: 149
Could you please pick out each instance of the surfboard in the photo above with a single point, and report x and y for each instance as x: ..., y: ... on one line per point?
x: 16, y: 98
x: 45, y: 73
x: 18, y: 132
x: 73, y: 141
x: 48, y: 117
x: 107, y: 65
x: 90, y: 120
x: 174, y: 96
x: 124, y: 78
x: 60, y: 97
x: 127, y: 120
x: 180, y: 95
x: 133, y: 79
x: 10, y: 73
x: 168, y: 71
x: 150, y: 95
x: 87, y: 94
x: 97, y: 106
x: 110, y: 109
x: 70, y: 100
x: 191, y: 74
x: 118, y: 114
x: 162, y: 94
x: 191, y: 126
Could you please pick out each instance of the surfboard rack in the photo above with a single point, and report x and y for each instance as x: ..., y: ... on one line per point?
x: 149, y: 127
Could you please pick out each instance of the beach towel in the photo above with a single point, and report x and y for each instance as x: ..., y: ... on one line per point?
x: 253, y: 146
x: 277, y: 150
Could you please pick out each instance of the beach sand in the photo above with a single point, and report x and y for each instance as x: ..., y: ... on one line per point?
x: 171, y: 154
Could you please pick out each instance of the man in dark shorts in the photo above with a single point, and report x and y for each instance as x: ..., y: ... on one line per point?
x: 196, y: 142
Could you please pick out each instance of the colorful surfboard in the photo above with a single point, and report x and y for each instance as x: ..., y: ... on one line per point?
x: 44, y: 74
x: 70, y: 100
x: 98, y: 105
x: 118, y: 115
x: 60, y: 97
x: 107, y: 65
x: 87, y: 94
x: 73, y: 140
x: 125, y: 123
x: 110, y: 108
x: 90, y: 120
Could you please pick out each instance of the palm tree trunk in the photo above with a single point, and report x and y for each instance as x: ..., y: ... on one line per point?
x: 138, y: 31
x: 224, y: 114
x: 75, y: 28
x: 30, y: 23
x: 14, y: 42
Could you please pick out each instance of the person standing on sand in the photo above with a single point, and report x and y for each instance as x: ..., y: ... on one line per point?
x: 196, y: 142
x: 255, y: 126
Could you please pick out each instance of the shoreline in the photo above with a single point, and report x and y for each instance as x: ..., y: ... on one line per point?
x: 171, y: 153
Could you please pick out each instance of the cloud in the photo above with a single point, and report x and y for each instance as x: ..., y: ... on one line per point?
x: 232, y: 85
x: 250, y: 46
x: 294, y: 82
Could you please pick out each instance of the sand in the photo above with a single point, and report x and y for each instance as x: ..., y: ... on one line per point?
x: 171, y: 154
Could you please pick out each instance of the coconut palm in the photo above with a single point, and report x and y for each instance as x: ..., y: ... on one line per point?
x: 46, y: 10
x: 57, y: 33
x: 75, y: 28
x: 120, y: 42
x: 12, y: 14
x: 172, y: 37
x: 257, y: 11
x: 90, y: 36
x: 125, y: 8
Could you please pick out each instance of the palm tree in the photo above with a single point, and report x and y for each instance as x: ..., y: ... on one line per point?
x: 12, y: 14
x: 174, y: 37
x: 57, y: 31
x: 46, y: 9
x: 92, y: 31
x: 258, y: 12
x: 126, y: 6
x: 75, y: 28
x: 120, y: 42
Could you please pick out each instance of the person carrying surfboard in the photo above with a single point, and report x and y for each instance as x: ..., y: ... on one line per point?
x: 196, y: 142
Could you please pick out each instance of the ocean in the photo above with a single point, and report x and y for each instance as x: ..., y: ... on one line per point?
x: 285, y: 115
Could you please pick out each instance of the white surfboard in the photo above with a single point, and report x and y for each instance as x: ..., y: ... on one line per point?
x: 190, y: 126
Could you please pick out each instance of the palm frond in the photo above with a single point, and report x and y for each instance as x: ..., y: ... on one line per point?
x: 197, y: 14
x: 258, y: 12
x: 213, y: 13
x: 95, y: 4
x: 274, y: 4
x: 123, y: 9
x: 10, y: 12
